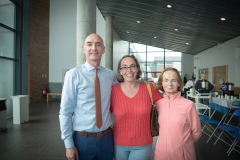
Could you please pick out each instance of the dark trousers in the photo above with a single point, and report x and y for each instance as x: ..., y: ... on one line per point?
x: 94, y: 148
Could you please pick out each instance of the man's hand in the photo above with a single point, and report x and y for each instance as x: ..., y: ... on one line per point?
x: 72, y: 153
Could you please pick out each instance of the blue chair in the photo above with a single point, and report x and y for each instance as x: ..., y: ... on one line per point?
x: 211, y: 107
x: 211, y: 124
x: 228, y: 129
x: 235, y: 104
x: 236, y: 137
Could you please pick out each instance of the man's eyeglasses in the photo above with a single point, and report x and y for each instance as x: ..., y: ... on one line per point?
x: 132, y: 67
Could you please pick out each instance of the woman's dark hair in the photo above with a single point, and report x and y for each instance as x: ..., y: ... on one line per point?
x: 179, y: 79
x: 119, y: 76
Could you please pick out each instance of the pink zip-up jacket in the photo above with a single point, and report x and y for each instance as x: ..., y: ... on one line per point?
x: 179, y: 128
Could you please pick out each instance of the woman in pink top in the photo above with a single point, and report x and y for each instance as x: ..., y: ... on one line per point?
x: 131, y: 105
x: 179, y: 122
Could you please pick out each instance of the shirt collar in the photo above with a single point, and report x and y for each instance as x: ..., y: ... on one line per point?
x: 89, y: 67
x: 174, y: 96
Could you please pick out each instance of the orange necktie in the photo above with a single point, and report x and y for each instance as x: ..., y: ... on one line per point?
x: 97, y: 99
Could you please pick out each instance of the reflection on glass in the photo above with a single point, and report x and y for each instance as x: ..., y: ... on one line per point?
x: 6, y: 43
x: 6, y: 83
x: 7, y: 12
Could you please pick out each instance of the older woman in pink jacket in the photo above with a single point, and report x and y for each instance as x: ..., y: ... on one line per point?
x: 179, y: 122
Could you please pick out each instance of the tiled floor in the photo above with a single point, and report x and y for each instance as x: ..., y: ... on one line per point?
x: 39, y: 139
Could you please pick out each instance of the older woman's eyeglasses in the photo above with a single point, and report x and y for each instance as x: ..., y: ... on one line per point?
x: 125, y: 68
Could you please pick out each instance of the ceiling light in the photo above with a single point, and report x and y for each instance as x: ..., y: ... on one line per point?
x: 169, y: 6
x: 187, y: 43
x: 138, y: 21
x: 139, y: 42
x: 176, y: 29
x: 223, y: 19
x: 155, y: 37
x: 128, y: 32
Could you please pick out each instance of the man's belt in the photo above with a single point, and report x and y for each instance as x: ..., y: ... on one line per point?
x: 99, y: 134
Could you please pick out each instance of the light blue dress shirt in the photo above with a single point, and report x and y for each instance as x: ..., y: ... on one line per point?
x: 78, y: 98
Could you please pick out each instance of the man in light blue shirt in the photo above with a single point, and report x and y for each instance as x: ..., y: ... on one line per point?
x: 82, y: 138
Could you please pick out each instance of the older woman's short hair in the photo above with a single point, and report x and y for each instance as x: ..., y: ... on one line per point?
x: 179, y: 79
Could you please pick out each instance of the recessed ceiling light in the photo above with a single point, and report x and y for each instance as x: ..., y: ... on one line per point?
x: 187, y: 43
x: 169, y: 6
x: 176, y: 29
x: 155, y: 37
x: 138, y: 21
x: 139, y: 42
x: 128, y: 32
x: 223, y: 19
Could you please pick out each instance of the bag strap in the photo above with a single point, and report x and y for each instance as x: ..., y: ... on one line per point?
x: 150, y: 92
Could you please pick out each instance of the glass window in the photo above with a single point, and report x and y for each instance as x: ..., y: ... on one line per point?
x: 139, y: 51
x: 6, y: 43
x: 7, y: 49
x: 7, y: 12
x: 154, y: 49
x: 6, y: 82
x: 154, y: 60
x: 173, y: 59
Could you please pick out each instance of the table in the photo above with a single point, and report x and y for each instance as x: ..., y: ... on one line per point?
x: 225, y: 102
x: 200, y: 96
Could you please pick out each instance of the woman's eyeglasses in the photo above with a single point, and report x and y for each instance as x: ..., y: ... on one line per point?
x: 125, y: 68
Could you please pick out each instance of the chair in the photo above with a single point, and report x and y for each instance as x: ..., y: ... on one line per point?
x: 228, y: 129
x: 236, y: 137
x: 235, y: 104
x: 210, y: 106
x: 204, y: 107
x: 210, y: 123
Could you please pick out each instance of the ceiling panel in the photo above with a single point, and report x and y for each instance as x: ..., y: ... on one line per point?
x: 198, y: 22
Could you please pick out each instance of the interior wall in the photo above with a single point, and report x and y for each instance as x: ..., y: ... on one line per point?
x: 62, y: 43
x: 220, y: 55
x: 101, y: 30
x: 187, y: 65
x: 120, y: 48
x: 38, y: 63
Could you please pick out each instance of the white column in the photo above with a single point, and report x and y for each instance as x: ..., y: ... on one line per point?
x: 86, y: 24
x: 109, y: 42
